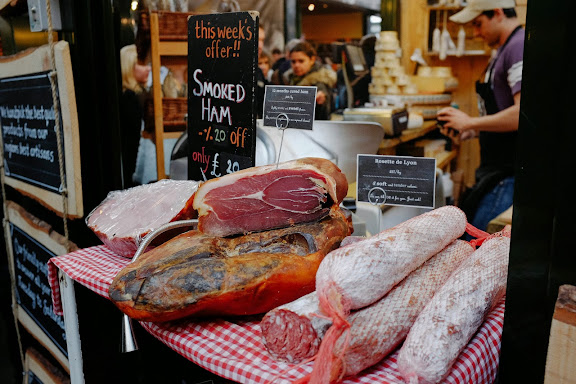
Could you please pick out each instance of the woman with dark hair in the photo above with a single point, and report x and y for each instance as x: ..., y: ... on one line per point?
x: 306, y: 71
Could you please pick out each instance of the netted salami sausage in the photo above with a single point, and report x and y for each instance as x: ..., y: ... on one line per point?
x: 447, y: 323
x: 379, y: 328
x: 292, y: 332
x: 359, y: 274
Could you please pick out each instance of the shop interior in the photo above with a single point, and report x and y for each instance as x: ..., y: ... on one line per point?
x: 388, y: 97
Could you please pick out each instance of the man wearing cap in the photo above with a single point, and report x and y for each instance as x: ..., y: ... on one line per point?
x: 498, y: 93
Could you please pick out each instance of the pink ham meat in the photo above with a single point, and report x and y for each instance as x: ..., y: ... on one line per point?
x: 125, y: 217
x: 448, y: 322
x: 270, y: 196
x: 361, y: 273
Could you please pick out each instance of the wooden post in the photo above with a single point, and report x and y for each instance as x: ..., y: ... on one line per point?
x: 561, y: 360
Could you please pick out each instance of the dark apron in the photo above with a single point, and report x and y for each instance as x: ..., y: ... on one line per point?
x: 497, y: 149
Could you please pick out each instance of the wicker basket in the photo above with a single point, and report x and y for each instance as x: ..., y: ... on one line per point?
x: 174, y: 111
x: 173, y: 25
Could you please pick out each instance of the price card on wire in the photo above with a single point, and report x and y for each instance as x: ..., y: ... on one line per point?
x: 396, y: 180
x: 289, y: 106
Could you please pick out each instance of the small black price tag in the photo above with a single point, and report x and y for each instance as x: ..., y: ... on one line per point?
x: 289, y: 106
x: 396, y: 180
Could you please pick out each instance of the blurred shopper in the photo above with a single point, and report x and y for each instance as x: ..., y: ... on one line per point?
x: 132, y: 108
x: 498, y: 92
x: 276, y: 56
x: 265, y: 65
x: 283, y: 64
x: 306, y: 71
x: 261, y: 80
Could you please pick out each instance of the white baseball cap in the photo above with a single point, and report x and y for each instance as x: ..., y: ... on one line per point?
x: 474, y: 8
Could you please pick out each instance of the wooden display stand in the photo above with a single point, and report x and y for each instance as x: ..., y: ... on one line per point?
x: 38, y: 369
x: 560, y: 366
x: 168, y: 45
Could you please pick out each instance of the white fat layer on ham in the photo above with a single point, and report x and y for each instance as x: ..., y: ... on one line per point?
x: 121, y: 214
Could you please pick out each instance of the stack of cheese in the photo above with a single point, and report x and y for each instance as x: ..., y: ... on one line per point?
x: 388, y: 75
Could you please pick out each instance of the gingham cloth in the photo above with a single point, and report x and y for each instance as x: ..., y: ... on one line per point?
x: 234, y: 350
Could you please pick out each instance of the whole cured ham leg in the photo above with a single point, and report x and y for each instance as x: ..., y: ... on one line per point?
x: 448, y: 322
x: 198, y: 275
x: 359, y: 274
x: 269, y: 196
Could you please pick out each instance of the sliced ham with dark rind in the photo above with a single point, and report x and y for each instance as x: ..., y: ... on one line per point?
x: 125, y: 217
x: 198, y: 275
x: 270, y: 196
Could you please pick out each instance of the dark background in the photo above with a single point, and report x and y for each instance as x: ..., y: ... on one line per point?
x: 542, y: 253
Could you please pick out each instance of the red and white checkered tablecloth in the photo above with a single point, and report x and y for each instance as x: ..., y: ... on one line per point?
x: 234, y: 350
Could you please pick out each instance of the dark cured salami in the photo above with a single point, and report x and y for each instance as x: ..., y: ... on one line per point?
x: 198, y: 275
x: 270, y: 196
x: 292, y: 332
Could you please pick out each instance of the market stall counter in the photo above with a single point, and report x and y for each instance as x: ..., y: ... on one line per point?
x: 232, y: 347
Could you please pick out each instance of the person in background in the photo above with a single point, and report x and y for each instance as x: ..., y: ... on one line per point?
x: 276, y: 55
x: 283, y: 64
x: 498, y: 91
x: 264, y: 64
x: 261, y: 80
x: 132, y: 108
x: 306, y: 71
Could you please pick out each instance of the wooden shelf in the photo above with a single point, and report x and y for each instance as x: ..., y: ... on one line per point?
x: 407, y: 135
x: 168, y: 38
x: 445, y: 7
x: 444, y: 159
x: 173, y: 48
x: 478, y: 52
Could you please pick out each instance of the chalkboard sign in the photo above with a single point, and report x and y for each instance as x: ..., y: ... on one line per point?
x: 29, y: 148
x: 32, y: 288
x: 397, y: 180
x: 32, y: 242
x: 289, y: 106
x: 222, y: 62
x: 28, y: 130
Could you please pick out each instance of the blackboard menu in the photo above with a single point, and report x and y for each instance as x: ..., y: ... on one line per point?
x: 289, y: 106
x: 222, y: 62
x: 32, y: 287
x: 397, y: 180
x: 28, y: 125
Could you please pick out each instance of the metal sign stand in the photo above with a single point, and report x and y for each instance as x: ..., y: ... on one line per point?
x: 377, y: 196
x: 281, y: 123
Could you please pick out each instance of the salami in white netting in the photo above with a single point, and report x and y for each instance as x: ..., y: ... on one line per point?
x: 449, y: 321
